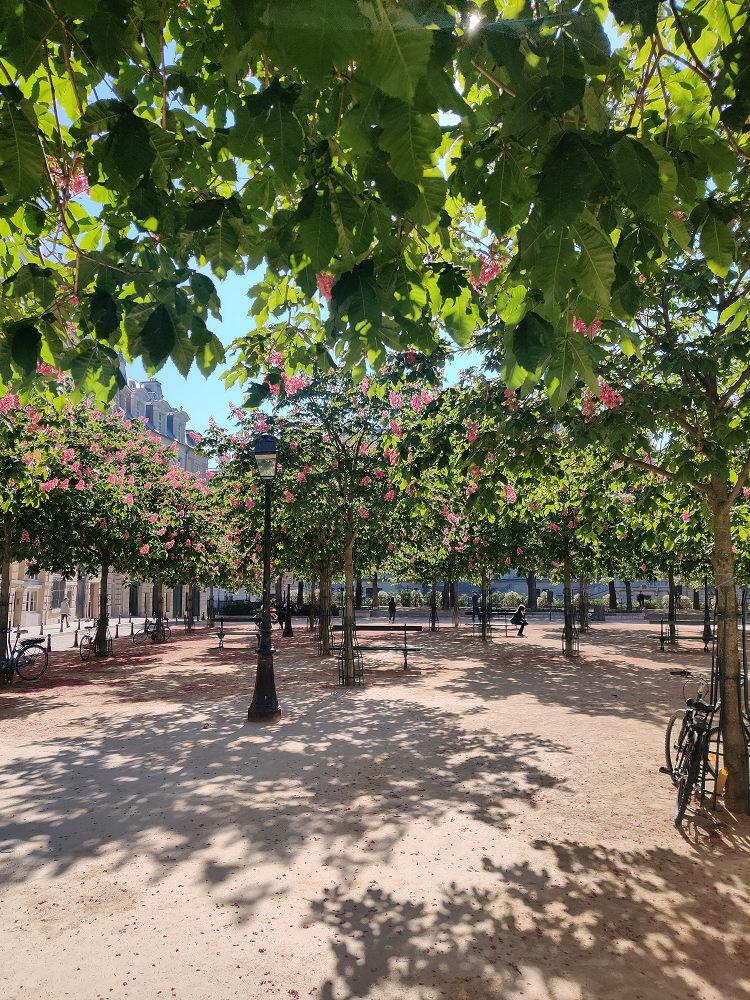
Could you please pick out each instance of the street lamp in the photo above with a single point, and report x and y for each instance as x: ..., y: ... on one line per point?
x: 265, y: 705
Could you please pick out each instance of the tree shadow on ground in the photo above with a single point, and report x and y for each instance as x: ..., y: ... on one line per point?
x: 587, y: 921
x: 162, y: 786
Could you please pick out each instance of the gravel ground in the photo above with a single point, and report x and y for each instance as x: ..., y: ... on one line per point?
x: 490, y: 825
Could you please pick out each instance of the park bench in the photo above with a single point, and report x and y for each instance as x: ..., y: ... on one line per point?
x: 682, y: 635
x: 476, y: 622
x: 403, y: 647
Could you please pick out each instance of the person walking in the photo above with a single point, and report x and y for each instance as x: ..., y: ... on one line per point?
x: 641, y: 600
x: 65, y: 612
x: 391, y: 609
x: 519, y: 618
x: 474, y: 606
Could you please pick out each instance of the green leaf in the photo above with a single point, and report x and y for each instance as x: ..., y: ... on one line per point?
x: 355, y: 295
x: 717, y: 245
x: 105, y: 313
x: 592, y: 41
x: 398, y: 52
x: 221, y: 246
x: 165, y: 149
x: 560, y: 375
x: 555, y: 267
x: 22, y: 166
x: 108, y: 34
x: 533, y: 341
x: 318, y: 234
x: 596, y: 117
x: 637, y: 171
x: 183, y: 352
x: 410, y: 138
x: 242, y: 137
x: 636, y: 12
x: 575, y: 172
x: 25, y: 342
x: 284, y: 140
x: 158, y: 337
x: 596, y: 261
x: 131, y: 151
x: 459, y: 317
x: 100, y: 116
x: 256, y: 394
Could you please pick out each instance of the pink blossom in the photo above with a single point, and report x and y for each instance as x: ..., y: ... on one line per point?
x: 554, y: 527
x: 290, y: 498
x: 507, y: 560
x: 519, y: 552
x: 294, y: 383
x: 144, y: 549
x: 643, y: 567
x: 390, y: 546
x: 416, y: 403
x: 510, y: 494
x: 49, y: 486
x: 395, y: 428
x: 365, y: 481
x: 128, y: 499
x: 472, y: 433
x: 8, y: 402
x: 472, y: 488
x: 686, y: 515
x: 324, y: 282
x: 379, y: 474
x: 389, y: 495
x: 170, y: 543
x: 395, y: 399
x: 579, y: 326
x: 25, y: 537
x: 80, y: 485
x: 362, y: 512
x: 276, y: 358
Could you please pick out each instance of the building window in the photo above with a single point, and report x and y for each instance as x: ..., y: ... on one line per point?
x: 57, y: 594
x: 161, y: 423
x: 32, y: 600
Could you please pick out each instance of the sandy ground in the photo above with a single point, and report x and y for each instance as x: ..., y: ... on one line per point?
x: 493, y: 826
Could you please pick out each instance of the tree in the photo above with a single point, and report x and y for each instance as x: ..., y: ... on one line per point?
x: 307, y: 135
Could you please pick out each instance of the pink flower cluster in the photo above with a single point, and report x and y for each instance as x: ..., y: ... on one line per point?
x: 8, y: 403
x: 510, y: 399
x: 362, y: 512
x: 472, y: 433
x: 490, y: 269
x: 294, y: 383
x: 276, y: 358
x: 389, y: 495
x: 580, y: 327
x: 395, y: 400
x: 509, y: 493
x: 395, y: 428
x: 76, y: 183
x: 324, y: 282
x: 289, y: 497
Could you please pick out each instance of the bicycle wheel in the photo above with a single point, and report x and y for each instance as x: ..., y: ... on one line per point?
x: 32, y: 663
x: 140, y: 636
x: 85, y: 648
x: 673, y: 740
x: 688, y: 768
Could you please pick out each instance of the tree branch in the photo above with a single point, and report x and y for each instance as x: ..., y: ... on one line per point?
x: 735, y: 145
x: 740, y: 480
x: 69, y: 68
x: 493, y: 79
x: 735, y: 386
x: 699, y: 67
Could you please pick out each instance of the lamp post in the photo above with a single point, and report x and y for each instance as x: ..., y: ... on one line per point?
x: 265, y: 705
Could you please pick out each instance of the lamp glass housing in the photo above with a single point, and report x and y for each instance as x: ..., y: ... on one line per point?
x: 266, y: 457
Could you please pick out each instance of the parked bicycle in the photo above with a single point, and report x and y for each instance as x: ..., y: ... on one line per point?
x: 149, y: 629
x: 687, y: 744
x: 28, y: 658
x: 89, y: 642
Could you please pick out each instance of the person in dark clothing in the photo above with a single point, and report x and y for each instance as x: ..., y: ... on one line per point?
x: 392, y: 609
x: 641, y: 600
x: 519, y: 618
x: 475, y: 606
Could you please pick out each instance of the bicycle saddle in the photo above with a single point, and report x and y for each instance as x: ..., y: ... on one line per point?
x: 700, y: 706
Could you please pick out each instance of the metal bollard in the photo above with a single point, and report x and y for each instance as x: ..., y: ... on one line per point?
x: 75, y: 639
x: 61, y: 624
x: 41, y: 630
x: 49, y: 642
x: 131, y: 626
x: 117, y: 631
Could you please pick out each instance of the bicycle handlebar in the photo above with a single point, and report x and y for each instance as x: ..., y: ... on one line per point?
x: 680, y: 673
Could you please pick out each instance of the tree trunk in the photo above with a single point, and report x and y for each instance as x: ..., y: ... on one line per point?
x: 531, y: 586
x: 358, y: 594
x: 612, y: 596
x: 583, y: 602
x: 300, y: 596
x: 375, y: 598
x: 433, y: 608
x: 454, y: 603
x: 484, y: 604
x: 312, y: 605
x: 446, y: 601
x: 211, y: 613
x: 568, y: 602
x: 671, y: 611
x: 5, y: 590
x: 347, y: 622
x: 158, y: 635
x: 628, y: 596
x: 188, y: 608
x: 279, y: 593
x: 324, y: 615
x: 103, y: 623
x: 696, y: 599
x: 736, y: 796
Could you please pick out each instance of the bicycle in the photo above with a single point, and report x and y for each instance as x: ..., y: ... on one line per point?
x: 28, y: 659
x: 89, y: 642
x: 691, y: 748
x: 149, y: 629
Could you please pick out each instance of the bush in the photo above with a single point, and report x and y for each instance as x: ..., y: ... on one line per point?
x: 417, y: 600
x: 405, y: 597
x: 511, y: 599
x: 238, y: 608
x: 463, y: 600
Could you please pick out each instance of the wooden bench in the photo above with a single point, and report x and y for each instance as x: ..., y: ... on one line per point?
x: 401, y: 648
